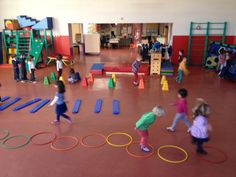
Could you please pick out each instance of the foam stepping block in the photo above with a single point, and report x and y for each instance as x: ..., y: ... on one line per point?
x: 11, y: 102
x: 5, y: 98
x: 39, y: 106
x: 98, y: 106
x: 76, y: 106
x: 116, y: 107
x: 17, y: 108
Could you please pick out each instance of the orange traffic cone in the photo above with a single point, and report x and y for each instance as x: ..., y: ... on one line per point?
x: 141, y: 84
x: 84, y: 82
x: 90, y: 79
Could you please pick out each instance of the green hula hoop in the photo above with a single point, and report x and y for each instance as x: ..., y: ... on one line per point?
x: 4, y: 146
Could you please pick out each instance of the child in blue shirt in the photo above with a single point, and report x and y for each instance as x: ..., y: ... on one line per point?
x: 61, y: 107
x: 135, y: 67
x: 23, y: 71
x: 15, y: 68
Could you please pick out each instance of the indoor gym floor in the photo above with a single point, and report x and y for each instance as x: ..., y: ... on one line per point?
x: 108, y: 161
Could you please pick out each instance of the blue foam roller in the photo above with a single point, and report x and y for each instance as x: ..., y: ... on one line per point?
x: 5, y: 98
x: 11, y: 102
x: 98, y: 106
x: 76, y: 106
x: 116, y: 108
x: 17, y: 108
x: 39, y: 106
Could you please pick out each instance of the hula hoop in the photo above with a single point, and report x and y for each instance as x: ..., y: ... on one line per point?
x: 3, y: 145
x: 172, y: 146
x: 6, y: 134
x: 119, y: 145
x: 93, y: 146
x: 139, y: 156
x: 65, y: 149
x: 40, y: 133
x: 215, y: 162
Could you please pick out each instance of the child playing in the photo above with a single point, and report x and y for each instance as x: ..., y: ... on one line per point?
x: 15, y: 68
x: 23, y: 71
x: 31, y: 68
x: 180, y: 57
x: 72, y: 76
x: 59, y: 66
x: 0, y: 96
x: 222, y: 62
x: 144, y: 122
x: 200, y: 127
x: 182, y: 69
x: 61, y: 107
x: 135, y: 67
x: 181, y: 106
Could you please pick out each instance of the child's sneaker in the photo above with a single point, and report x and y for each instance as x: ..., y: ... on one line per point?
x: 69, y: 120
x: 170, y: 129
x: 145, y: 149
x: 202, y: 152
x: 189, y: 130
x: 135, y: 83
x: 55, y: 122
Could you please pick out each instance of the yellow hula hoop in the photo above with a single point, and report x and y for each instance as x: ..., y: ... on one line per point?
x: 172, y: 146
x: 119, y: 145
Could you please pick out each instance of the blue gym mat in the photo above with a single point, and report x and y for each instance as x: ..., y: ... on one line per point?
x: 76, y: 106
x: 39, y: 106
x: 11, y: 102
x: 116, y: 108
x: 5, y: 98
x: 97, y: 66
x: 98, y: 106
x: 17, y: 108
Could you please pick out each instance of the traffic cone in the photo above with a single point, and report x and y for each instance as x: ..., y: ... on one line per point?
x: 46, y: 80
x: 84, y: 82
x: 141, y: 84
x: 62, y: 79
x: 113, y: 78
x: 163, y: 79
x: 110, y: 83
x: 90, y: 79
x: 52, y: 76
x: 165, y: 86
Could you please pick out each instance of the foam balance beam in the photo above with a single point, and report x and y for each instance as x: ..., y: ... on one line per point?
x: 98, y: 106
x: 39, y: 106
x: 4, y: 106
x: 17, y: 108
x: 76, y: 106
x: 5, y: 98
x: 116, y: 108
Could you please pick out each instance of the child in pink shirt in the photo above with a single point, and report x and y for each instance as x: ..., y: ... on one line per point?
x: 181, y: 107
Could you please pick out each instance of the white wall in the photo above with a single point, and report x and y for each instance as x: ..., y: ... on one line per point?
x: 178, y: 12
